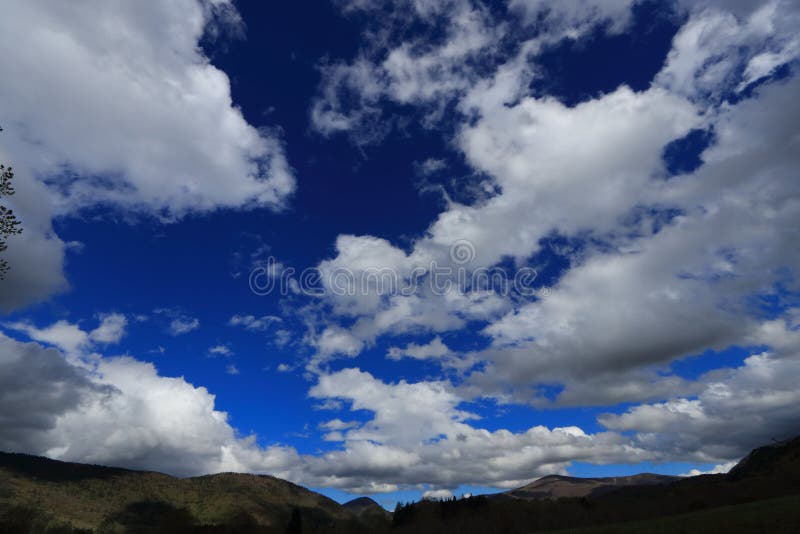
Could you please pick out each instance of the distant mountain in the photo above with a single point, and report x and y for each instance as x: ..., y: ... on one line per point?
x: 556, y: 486
x: 369, y: 512
x: 364, y: 505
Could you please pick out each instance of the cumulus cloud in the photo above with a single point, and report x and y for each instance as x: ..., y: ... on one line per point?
x: 101, y: 136
x: 335, y: 340
x: 700, y: 271
x: 434, y: 349
x: 737, y: 409
x: 122, y: 98
x: 115, y: 411
x: 38, y: 386
x: 71, y: 338
x: 111, y: 328
x: 418, y: 434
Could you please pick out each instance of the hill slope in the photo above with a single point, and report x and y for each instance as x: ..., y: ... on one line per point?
x: 95, y: 497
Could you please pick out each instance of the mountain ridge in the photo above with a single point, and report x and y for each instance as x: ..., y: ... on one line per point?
x: 557, y: 486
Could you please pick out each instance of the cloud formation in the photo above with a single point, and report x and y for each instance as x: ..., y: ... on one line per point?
x: 123, y: 98
x: 141, y: 122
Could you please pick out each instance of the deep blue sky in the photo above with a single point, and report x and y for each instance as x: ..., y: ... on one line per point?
x: 187, y: 265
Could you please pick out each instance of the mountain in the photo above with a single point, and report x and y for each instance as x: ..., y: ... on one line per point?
x: 369, y: 512
x: 40, y: 492
x: 775, y: 459
x: 364, y: 505
x: 556, y: 486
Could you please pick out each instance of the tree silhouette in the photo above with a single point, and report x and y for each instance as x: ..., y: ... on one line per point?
x: 9, y: 225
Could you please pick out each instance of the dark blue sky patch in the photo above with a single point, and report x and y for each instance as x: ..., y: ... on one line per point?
x: 576, y: 71
x: 683, y: 156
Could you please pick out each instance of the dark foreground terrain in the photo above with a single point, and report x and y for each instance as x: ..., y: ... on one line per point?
x: 761, y: 494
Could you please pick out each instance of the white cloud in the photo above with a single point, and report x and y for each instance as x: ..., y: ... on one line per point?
x: 71, y: 338
x: 92, y: 110
x: 111, y: 328
x: 117, y: 411
x: 220, y: 350
x: 393, y: 67
x: 716, y: 470
x: 679, y: 291
x: 231, y: 369
x: 67, y: 336
x: 120, y: 411
x: 528, y: 150
x: 251, y: 322
x: 438, y: 494
x: 718, y: 51
x: 572, y: 18
x: 433, y: 349
x: 336, y: 341
x: 183, y: 325
x: 412, y: 72
x: 736, y: 410
x: 138, y: 119
x: 419, y: 435
x: 338, y: 424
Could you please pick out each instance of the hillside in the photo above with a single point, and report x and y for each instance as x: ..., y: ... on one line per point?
x: 111, y: 499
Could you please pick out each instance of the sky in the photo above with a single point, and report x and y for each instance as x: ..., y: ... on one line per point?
x: 401, y: 248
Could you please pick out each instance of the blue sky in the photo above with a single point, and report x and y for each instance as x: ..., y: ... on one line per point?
x: 637, y: 159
